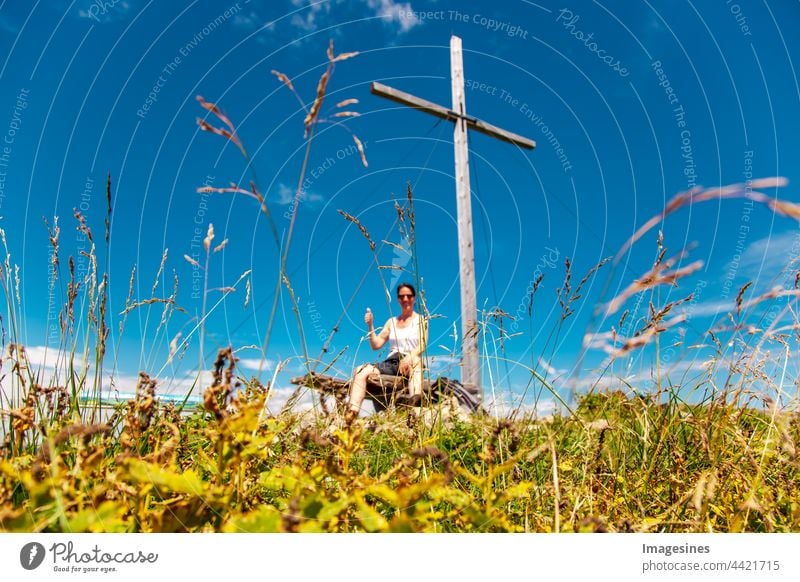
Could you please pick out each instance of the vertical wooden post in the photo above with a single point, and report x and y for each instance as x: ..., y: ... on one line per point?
x: 470, y: 368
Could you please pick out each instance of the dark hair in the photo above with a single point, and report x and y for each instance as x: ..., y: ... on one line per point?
x: 409, y: 285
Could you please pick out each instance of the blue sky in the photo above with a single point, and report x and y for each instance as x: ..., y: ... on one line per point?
x: 629, y: 102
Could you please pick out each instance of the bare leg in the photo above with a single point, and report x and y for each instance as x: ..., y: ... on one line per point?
x: 415, y: 377
x: 358, y: 387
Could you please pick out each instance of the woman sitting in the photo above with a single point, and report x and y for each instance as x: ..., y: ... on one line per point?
x: 407, y: 335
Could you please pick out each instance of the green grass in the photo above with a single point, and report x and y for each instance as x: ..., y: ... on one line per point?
x: 619, y: 464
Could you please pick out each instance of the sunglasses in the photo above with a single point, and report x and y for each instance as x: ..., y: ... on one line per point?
x: 405, y: 296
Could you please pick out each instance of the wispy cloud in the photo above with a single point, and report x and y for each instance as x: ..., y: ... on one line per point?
x: 104, y: 11
x: 506, y: 404
x: 308, y: 20
x: 8, y: 26
x: 765, y: 258
x: 255, y: 364
x: 286, y: 196
x: 710, y: 308
x: 548, y: 369
x: 251, y: 20
x: 395, y: 12
x: 48, y: 358
x: 44, y: 357
x: 443, y: 364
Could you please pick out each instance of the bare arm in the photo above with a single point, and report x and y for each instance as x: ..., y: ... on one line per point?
x: 377, y: 341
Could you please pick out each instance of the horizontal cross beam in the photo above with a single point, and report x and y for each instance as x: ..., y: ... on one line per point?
x: 473, y: 123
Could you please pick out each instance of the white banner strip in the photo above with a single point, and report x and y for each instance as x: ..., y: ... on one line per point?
x: 381, y: 557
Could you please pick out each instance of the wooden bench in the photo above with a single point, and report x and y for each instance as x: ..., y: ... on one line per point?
x: 385, y: 391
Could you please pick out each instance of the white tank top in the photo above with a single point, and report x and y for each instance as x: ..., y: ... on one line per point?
x: 404, y: 339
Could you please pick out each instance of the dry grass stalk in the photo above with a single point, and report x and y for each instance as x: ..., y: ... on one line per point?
x: 151, y: 301
x: 192, y: 262
x: 341, y: 57
x: 286, y: 81
x: 773, y: 293
x: 160, y: 271
x: 283, y: 79
x: 17, y: 283
x: 311, y: 119
x: 563, y: 292
x: 657, y: 317
x: 53, y: 235
x: 102, y: 329
x: 699, y: 194
x: 215, y: 398
x: 252, y: 193
x: 173, y: 346
x: 72, y: 295
x: 659, y: 274
x: 82, y: 227
x: 608, y: 341
x: 650, y: 331
x: 360, y: 226
x: 139, y: 412
x: 108, y: 208
x: 740, y: 295
x: 171, y: 304
x: 412, y: 223
x: 622, y: 318
x: 534, y: 289
x: 229, y: 133
x: 313, y: 113
x: 209, y: 237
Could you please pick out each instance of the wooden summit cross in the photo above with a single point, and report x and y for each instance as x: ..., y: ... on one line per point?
x: 470, y: 370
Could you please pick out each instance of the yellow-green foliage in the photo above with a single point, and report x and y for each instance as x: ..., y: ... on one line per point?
x: 620, y: 464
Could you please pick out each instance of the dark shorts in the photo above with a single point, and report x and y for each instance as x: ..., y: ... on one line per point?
x: 390, y: 366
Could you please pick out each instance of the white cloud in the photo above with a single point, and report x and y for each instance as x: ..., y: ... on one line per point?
x: 442, y: 364
x: 250, y: 21
x: 122, y: 386
x: 713, y: 307
x: 43, y: 357
x: 255, y: 364
x: 398, y: 12
x: 767, y: 257
x: 389, y: 11
x: 307, y: 19
x: 104, y: 11
x: 550, y: 370
x: 507, y: 404
x: 8, y: 26
x: 286, y: 196
x: 279, y: 395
